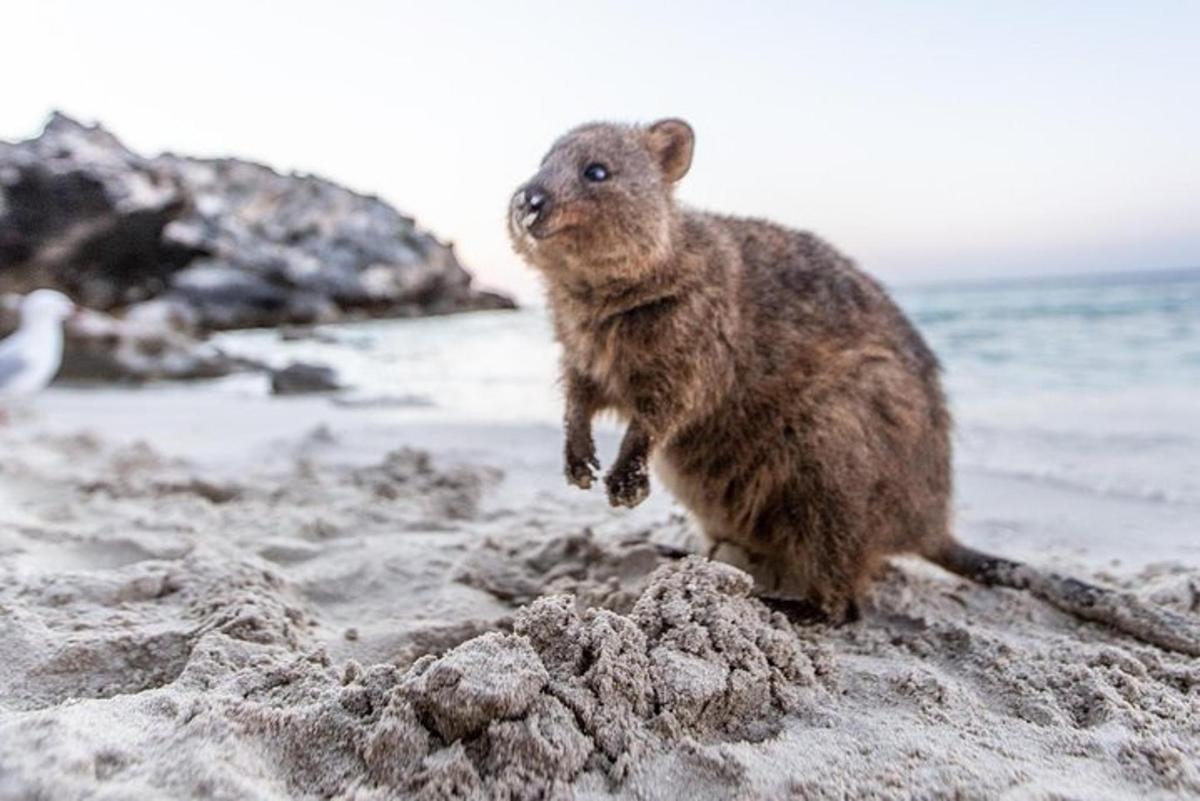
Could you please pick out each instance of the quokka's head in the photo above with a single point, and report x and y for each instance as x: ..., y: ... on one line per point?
x: 600, y: 208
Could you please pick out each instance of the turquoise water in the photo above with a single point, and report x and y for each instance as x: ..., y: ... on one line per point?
x: 1091, y: 382
x: 1089, y: 333
x: 1088, y: 382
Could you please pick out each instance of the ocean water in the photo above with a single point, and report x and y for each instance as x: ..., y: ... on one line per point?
x: 1091, y: 383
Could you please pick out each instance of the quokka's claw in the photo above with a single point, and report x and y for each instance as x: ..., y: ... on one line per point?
x: 627, y: 488
x: 582, y: 473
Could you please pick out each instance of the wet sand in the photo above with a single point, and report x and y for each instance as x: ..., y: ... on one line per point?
x: 212, y: 596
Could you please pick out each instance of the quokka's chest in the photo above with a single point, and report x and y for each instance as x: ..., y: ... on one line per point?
x: 616, y: 364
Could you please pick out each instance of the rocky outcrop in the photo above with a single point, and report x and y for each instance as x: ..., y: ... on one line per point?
x: 302, y: 378
x: 146, y: 344
x: 225, y: 243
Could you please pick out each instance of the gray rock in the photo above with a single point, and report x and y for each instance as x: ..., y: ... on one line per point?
x: 300, y: 378
x: 153, y: 341
x: 81, y: 213
x: 236, y: 243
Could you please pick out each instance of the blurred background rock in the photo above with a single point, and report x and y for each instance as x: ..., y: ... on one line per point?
x: 165, y: 250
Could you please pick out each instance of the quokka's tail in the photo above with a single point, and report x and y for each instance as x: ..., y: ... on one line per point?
x: 1120, y: 610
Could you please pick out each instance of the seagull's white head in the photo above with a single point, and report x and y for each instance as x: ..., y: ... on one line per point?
x: 46, y: 304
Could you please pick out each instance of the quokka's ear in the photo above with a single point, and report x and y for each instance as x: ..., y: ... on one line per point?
x: 672, y: 142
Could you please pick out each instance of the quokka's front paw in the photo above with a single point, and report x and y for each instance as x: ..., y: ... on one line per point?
x: 581, y: 470
x: 628, y: 485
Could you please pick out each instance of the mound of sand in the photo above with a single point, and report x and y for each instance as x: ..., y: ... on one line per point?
x: 319, y: 629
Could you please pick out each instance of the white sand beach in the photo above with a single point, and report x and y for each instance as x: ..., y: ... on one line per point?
x: 230, y: 596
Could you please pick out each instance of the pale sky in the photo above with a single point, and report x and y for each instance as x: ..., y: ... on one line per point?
x: 935, y: 140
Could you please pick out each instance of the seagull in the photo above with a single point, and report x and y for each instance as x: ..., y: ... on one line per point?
x: 30, y: 358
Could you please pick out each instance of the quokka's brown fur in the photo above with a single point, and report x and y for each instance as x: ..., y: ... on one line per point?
x: 784, y: 398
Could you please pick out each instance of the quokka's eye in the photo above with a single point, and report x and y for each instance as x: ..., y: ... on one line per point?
x: 595, y: 172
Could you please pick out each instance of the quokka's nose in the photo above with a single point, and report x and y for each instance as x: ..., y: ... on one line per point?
x: 530, y: 202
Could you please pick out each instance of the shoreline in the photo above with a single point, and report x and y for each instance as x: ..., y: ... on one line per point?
x: 225, y: 431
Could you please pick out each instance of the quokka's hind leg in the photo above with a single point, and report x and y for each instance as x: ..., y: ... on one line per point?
x: 805, y: 611
x: 819, y: 587
x: 834, y: 601
x: 672, y: 551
